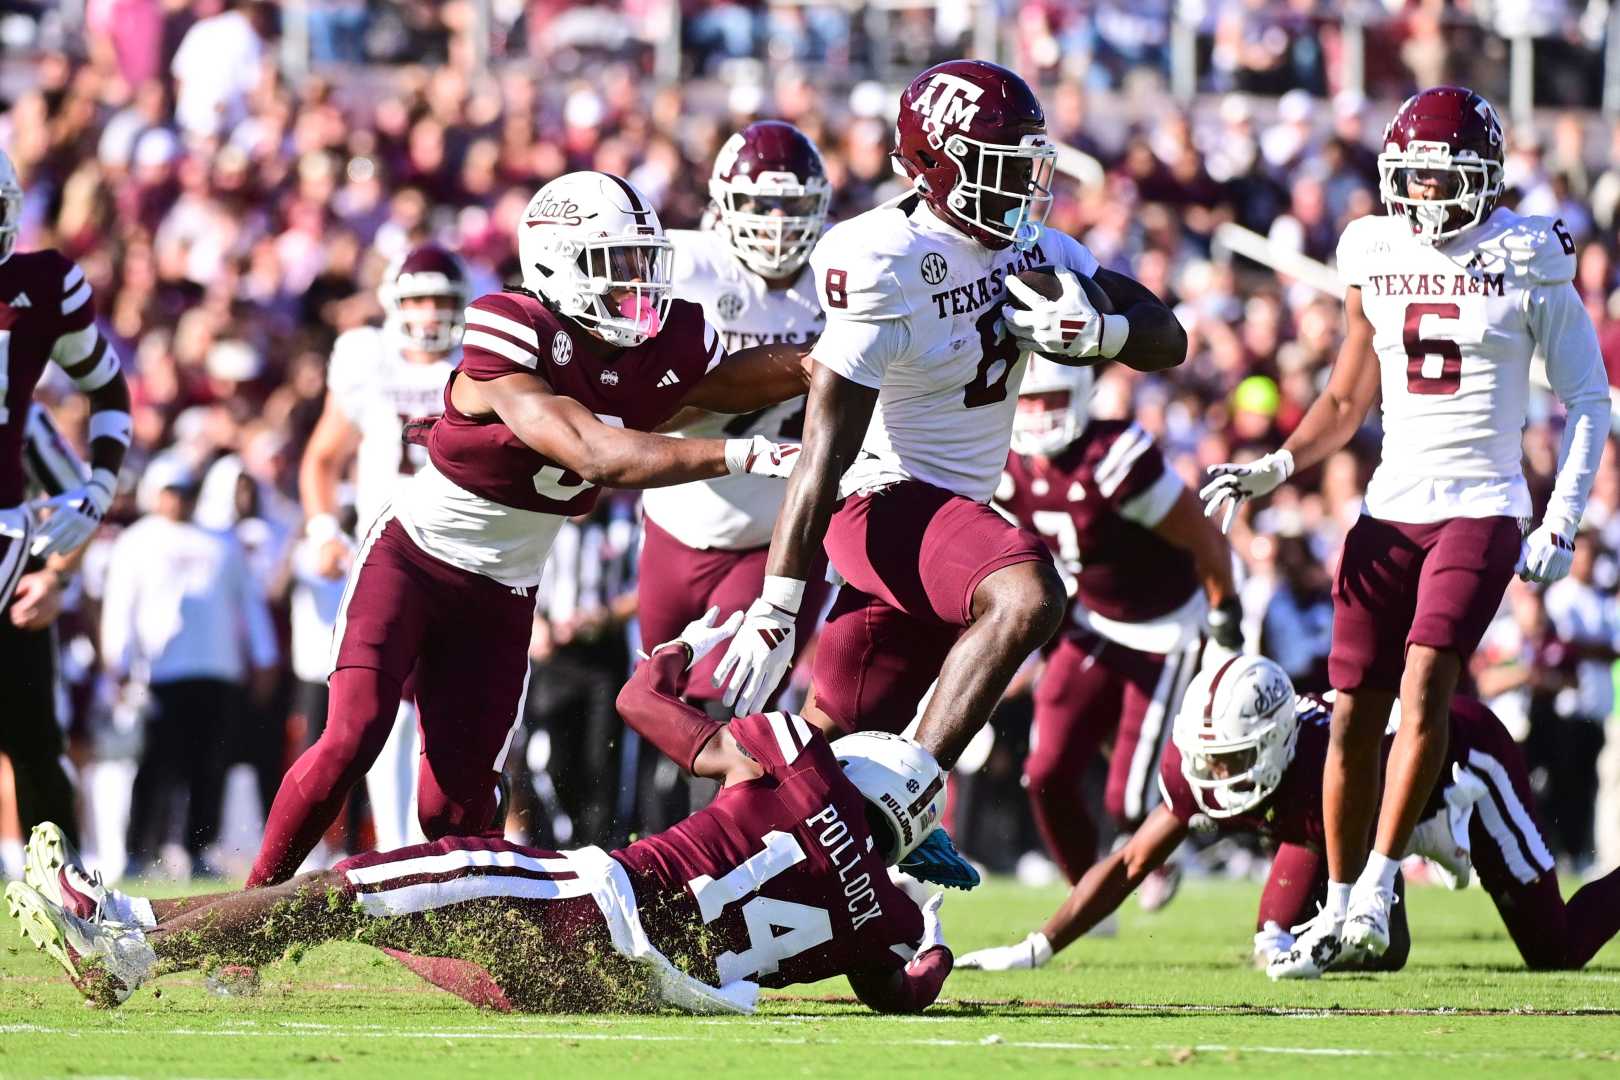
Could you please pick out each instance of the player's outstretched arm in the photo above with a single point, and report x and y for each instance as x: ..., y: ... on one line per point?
x: 652, y: 705
x: 571, y: 435
x: 1334, y: 417
x: 330, y: 448
x: 752, y: 379
x: 1156, y: 339
x: 916, y: 986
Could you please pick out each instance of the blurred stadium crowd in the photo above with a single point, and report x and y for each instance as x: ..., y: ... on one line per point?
x: 233, y: 220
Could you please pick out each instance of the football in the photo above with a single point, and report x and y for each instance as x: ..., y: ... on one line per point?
x: 1043, y: 279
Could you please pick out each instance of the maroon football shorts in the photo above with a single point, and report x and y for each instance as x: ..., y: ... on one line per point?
x: 1398, y: 585
x: 467, y: 638
x: 678, y: 584
x: 912, y: 555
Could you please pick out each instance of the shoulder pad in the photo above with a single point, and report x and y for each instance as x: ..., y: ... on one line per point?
x: 1061, y: 249
x: 1363, y: 238
x: 356, y: 357
x: 859, y: 267
x: 511, y: 325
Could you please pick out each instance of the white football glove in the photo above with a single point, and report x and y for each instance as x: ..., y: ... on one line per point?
x: 759, y: 456
x: 1230, y: 483
x: 933, y: 934
x: 701, y: 635
x: 75, y: 515
x: 1545, y: 555
x: 762, y: 651
x: 1032, y: 952
x: 1269, y: 941
x: 1068, y: 326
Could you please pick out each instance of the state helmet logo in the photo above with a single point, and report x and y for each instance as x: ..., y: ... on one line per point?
x: 933, y: 268
x: 562, y: 348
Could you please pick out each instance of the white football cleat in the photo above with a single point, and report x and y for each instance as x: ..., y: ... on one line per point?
x: 1366, y: 924
x: 1443, y: 838
x: 52, y: 867
x: 1317, y: 946
x: 107, y: 962
x: 1032, y: 952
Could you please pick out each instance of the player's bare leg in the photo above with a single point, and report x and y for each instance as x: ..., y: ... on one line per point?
x: 1415, y: 761
x: 1016, y: 610
x: 254, y: 926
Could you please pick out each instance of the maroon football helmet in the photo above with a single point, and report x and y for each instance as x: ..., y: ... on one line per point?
x: 772, y: 194
x: 425, y: 271
x: 972, y: 138
x: 1453, y: 132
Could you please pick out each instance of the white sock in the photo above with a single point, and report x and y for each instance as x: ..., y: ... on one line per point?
x: 131, y: 909
x: 1379, y: 872
x: 1338, y: 899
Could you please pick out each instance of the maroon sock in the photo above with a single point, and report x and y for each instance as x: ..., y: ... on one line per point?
x: 1592, y: 918
x: 360, y: 713
x: 462, y: 978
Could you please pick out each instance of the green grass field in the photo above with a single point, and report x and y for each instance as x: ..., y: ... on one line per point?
x: 1172, y: 989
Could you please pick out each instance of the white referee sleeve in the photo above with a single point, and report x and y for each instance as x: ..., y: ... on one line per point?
x: 1567, y: 340
x: 263, y: 649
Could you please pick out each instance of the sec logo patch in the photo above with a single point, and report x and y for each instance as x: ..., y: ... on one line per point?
x: 562, y: 348
x: 729, y: 306
x: 933, y: 268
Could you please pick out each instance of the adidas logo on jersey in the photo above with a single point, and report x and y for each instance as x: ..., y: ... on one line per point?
x: 22, y: 301
x: 669, y: 379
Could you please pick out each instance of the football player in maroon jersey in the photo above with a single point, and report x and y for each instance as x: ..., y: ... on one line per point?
x: 782, y: 879
x: 1247, y: 758
x: 560, y: 383
x: 46, y: 315
x: 1149, y: 575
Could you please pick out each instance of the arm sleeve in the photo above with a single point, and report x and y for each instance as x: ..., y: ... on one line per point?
x: 651, y: 704
x: 347, y: 374
x: 79, y: 349
x: 1565, y: 337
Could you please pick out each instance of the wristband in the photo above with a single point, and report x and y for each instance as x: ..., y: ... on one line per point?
x: 1040, y: 949
x: 1115, y: 329
x: 783, y: 592
x: 105, y: 479
x: 114, y: 424
x: 1286, y: 457
x: 738, y: 451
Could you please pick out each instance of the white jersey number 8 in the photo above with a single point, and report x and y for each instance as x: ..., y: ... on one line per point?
x: 806, y: 926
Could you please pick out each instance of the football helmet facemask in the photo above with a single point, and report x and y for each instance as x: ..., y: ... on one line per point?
x: 1236, y: 733
x: 10, y: 207
x: 592, y: 246
x: 1452, y: 135
x: 903, y: 786
x: 427, y: 271
x: 1054, y: 404
x: 771, y: 194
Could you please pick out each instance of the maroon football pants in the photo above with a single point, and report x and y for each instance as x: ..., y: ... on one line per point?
x: 464, y: 639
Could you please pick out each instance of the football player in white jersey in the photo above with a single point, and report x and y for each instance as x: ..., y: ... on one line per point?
x: 706, y: 542
x: 1448, y: 298
x: 378, y: 378
x: 911, y: 403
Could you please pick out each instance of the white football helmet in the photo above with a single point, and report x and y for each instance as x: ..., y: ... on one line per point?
x: 430, y: 271
x: 771, y: 193
x: 1236, y: 733
x: 903, y: 785
x: 591, y: 245
x: 1046, y: 431
x: 10, y: 207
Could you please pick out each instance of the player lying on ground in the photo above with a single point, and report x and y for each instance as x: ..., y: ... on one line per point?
x: 782, y: 879
x: 1247, y: 758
